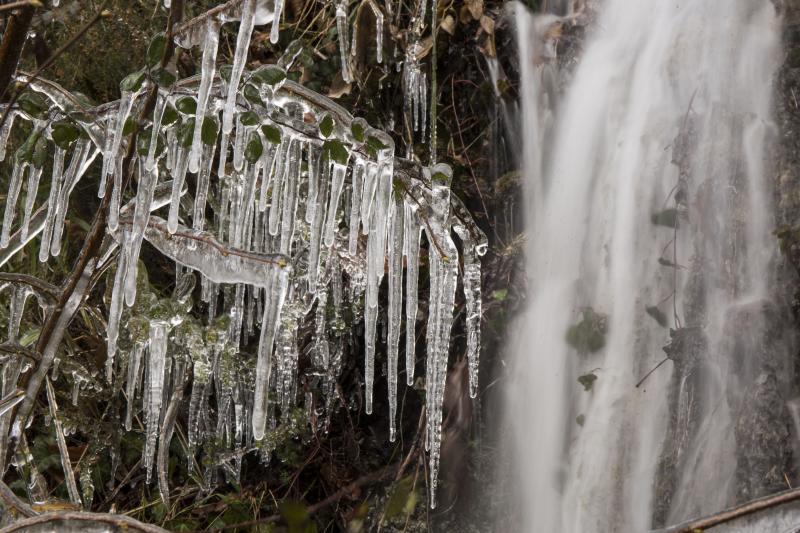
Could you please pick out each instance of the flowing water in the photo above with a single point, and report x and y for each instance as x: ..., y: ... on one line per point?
x: 649, y: 209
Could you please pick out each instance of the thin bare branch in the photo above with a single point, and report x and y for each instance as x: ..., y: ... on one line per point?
x: 74, y: 518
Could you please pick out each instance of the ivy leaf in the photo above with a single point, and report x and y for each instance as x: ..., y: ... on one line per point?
x: 667, y: 217
x: 25, y: 152
x: 252, y: 94
x: 32, y: 103
x: 132, y: 82
x: 143, y: 142
x: 163, y: 77
x: 249, y: 118
x: 254, y: 149
x: 156, y: 49
x: 657, y: 315
x: 587, y: 380
x: 373, y: 145
x: 326, y: 126
x: 187, y: 105
x: 127, y: 128
x: 357, y: 129
x: 270, y: 74
x: 208, y: 131
x: 336, y: 151
x: 64, y: 133
x: 186, y: 133
x: 225, y: 72
x: 271, y: 133
x: 40, y: 152
x: 170, y: 115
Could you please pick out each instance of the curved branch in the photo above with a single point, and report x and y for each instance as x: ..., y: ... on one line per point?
x: 73, y: 518
x: 728, y: 515
x: 13, y: 501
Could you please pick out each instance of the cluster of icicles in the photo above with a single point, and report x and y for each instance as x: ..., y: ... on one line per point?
x: 309, y: 207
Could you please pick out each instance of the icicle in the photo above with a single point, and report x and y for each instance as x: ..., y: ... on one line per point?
x: 471, y: 281
x: 368, y: 194
x: 66, y: 466
x: 239, y: 58
x: 379, y: 34
x: 289, y: 200
x: 82, y: 157
x: 277, y: 184
x: 11, y: 202
x: 141, y: 215
x: 411, y: 236
x: 52, y: 204
x: 321, y: 347
x: 266, y: 173
x: 443, y: 277
x: 138, y: 327
x: 5, y: 132
x: 314, y: 166
x: 276, y: 22
x: 203, y: 178
x: 315, y: 237
x: 341, y: 27
x: 111, y: 159
x: 339, y: 172
x: 115, y: 309
x: 276, y: 294
x: 355, y: 205
x: 30, y: 200
x: 154, y: 393
x: 395, y: 259
x: 207, y: 69
x: 178, y: 177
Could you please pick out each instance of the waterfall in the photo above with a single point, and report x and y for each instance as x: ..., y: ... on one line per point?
x: 649, y: 225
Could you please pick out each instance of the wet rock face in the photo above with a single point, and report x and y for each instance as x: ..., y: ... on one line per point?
x: 758, y: 402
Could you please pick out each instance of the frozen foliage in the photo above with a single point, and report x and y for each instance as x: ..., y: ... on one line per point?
x: 307, y: 213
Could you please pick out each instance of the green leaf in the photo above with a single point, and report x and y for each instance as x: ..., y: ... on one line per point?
x: 587, y: 380
x: 25, y: 152
x: 249, y: 118
x: 403, y: 498
x: 32, y: 103
x: 271, y: 133
x: 208, y: 131
x: 143, y: 141
x: 336, y: 151
x: 225, y: 72
x: 132, y: 82
x: 580, y: 420
x: 588, y: 335
x: 376, y: 144
x: 667, y: 217
x: 326, y: 126
x: 657, y: 315
x: 40, y: 152
x: 252, y: 94
x: 187, y: 105
x: 163, y: 77
x: 254, y: 148
x: 270, y: 74
x: 357, y: 129
x: 64, y: 133
x: 156, y: 49
x: 500, y: 294
x: 170, y: 115
x: 186, y: 133
x: 297, y: 518
x: 128, y: 127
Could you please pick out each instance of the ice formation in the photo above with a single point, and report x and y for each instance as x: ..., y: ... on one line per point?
x: 308, y: 212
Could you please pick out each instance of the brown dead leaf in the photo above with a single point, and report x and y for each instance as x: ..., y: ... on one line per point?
x: 338, y: 86
x: 475, y: 8
x: 487, y: 24
x: 448, y: 24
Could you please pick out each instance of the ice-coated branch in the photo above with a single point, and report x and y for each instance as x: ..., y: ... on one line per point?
x: 68, y: 521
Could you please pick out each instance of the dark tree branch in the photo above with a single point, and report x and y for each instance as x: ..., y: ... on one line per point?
x: 117, y: 521
x: 728, y: 515
x: 11, y: 46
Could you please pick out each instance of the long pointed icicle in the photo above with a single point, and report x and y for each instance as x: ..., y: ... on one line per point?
x: 11, y: 202
x: 207, y: 69
x: 395, y: 259
x: 239, y: 58
x: 341, y: 27
x: 411, y: 236
x: 52, y: 204
x: 30, y: 200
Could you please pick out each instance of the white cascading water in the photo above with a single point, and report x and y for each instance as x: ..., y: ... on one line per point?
x: 666, y: 121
